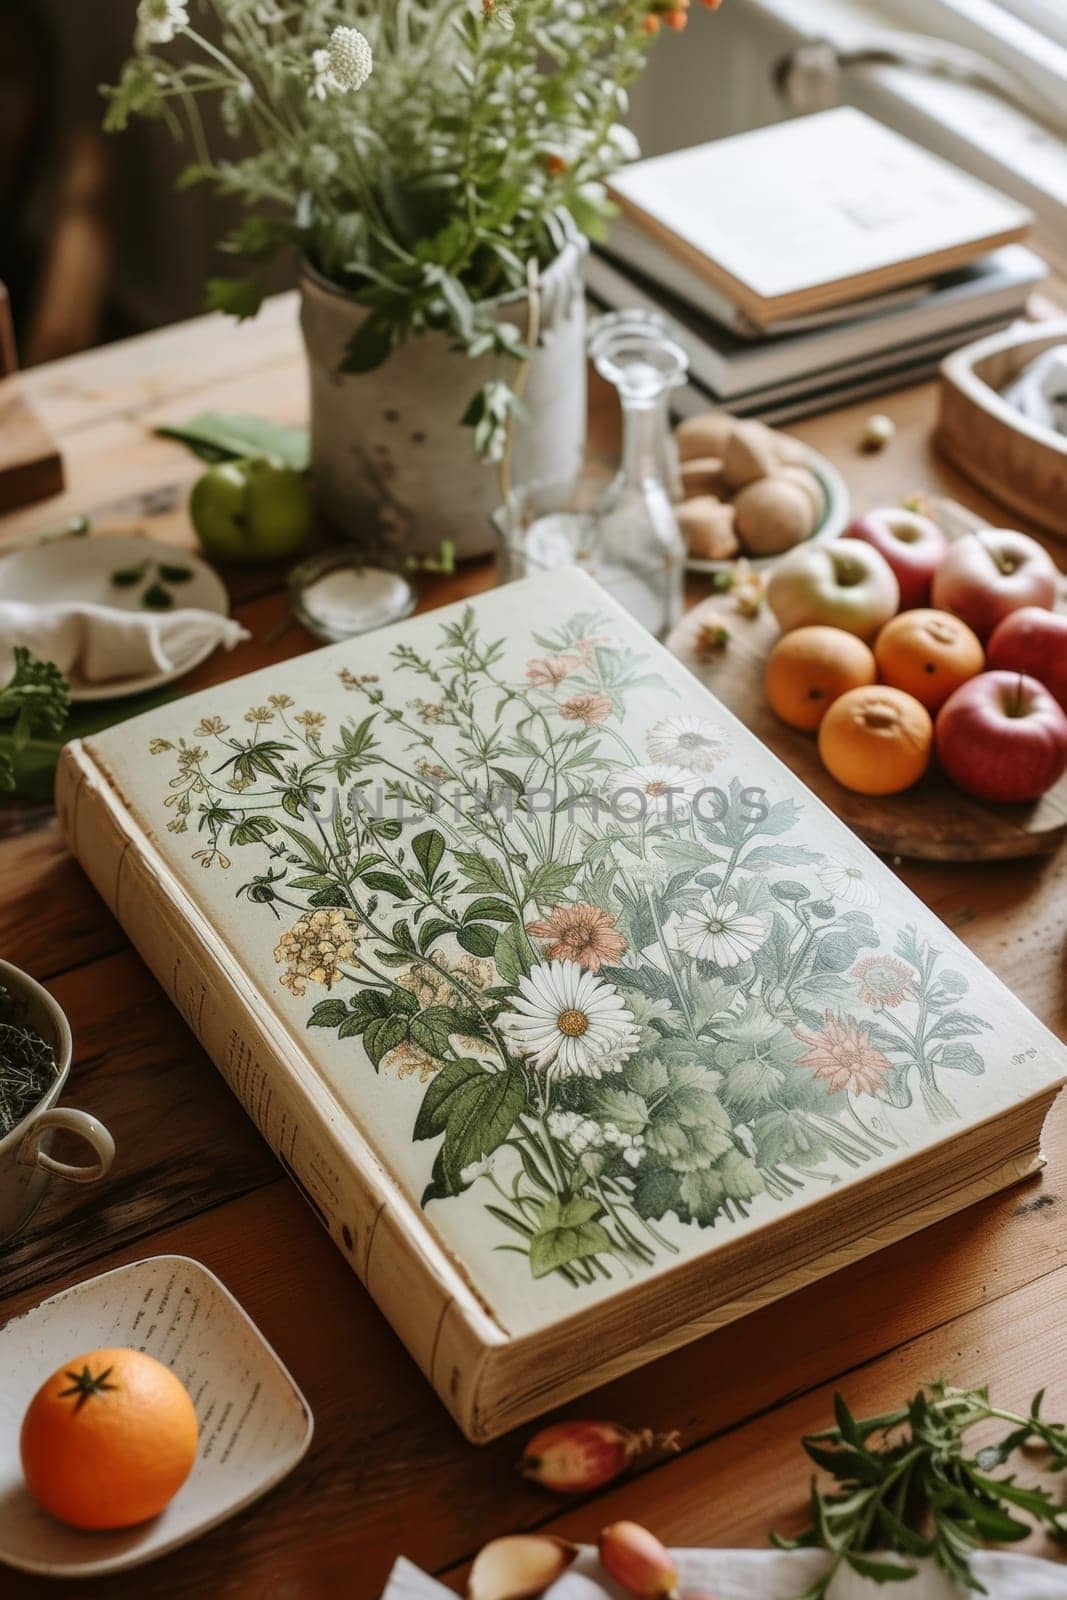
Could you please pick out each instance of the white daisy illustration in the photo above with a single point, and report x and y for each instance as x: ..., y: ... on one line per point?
x: 687, y: 742
x: 657, y: 792
x: 847, y: 883
x: 569, y: 1022
x: 722, y: 934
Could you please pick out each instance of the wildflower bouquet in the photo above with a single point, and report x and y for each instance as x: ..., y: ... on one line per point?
x: 427, y: 155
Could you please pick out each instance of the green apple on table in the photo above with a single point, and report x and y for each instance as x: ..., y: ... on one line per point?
x: 251, y: 510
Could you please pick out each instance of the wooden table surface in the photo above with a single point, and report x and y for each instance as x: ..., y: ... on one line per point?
x: 982, y: 1297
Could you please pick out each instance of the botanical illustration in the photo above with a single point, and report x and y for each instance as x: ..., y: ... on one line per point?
x: 634, y: 996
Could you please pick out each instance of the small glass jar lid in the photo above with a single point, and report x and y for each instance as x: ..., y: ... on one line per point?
x: 336, y: 596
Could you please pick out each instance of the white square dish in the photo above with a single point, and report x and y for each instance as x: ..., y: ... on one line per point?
x: 255, y: 1425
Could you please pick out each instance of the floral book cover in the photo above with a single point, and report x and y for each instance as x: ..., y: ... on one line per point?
x: 599, y: 982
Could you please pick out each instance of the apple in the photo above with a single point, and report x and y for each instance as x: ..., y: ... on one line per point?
x: 846, y: 584
x: 256, y: 510
x: 986, y: 575
x: 913, y: 546
x: 1033, y: 641
x: 1002, y: 736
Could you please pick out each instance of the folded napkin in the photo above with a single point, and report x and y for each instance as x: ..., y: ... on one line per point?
x: 101, y: 644
x: 1040, y: 390
x: 776, y: 1575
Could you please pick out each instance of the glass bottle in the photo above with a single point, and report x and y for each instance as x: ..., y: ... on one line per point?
x: 617, y: 328
x: 635, y: 548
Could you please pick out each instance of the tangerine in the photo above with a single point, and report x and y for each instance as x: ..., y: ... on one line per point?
x: 928, y: 654
x: 810, y: 668
x: 876, y: 740
x: 109, y: 1439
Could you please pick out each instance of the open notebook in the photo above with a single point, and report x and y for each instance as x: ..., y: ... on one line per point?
x: 581, y: 1023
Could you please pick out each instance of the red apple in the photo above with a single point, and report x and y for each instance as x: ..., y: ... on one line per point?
x: 986, y: 575
x: 1033, y: 641
x: 1002, y: 737
x: 913, y: 546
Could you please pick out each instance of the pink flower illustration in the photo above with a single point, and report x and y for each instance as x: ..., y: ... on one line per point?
x: 843, y: 1055
x: 883, y: 981
x: 587, y: 708
x: 581, y: 933
x: 550, y: 670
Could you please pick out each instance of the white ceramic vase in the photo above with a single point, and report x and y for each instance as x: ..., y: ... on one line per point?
x: 392, y: 464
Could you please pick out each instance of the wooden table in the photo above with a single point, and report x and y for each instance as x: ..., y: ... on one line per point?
x: 981, y: 1298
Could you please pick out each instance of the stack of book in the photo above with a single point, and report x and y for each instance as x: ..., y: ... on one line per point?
x: 813, y: 262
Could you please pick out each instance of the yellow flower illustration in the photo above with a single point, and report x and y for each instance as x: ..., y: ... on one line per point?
x: 314, y: 949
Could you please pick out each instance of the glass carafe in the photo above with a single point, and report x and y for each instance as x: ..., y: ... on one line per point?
x: 635, y: 548
x: 618, y: 328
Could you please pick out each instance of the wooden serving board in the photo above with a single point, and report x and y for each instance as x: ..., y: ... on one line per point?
x: 935, y: 821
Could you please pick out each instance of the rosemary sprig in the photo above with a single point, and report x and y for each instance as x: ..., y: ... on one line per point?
x: 37, y: 700
x: 908, y: 1488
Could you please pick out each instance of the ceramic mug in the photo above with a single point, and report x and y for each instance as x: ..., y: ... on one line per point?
x: 26, y: 1161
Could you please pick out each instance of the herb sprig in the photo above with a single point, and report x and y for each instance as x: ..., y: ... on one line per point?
x: 908, y: 1486
x: 37, y: 700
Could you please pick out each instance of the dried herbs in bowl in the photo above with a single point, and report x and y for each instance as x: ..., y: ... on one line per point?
x: 28, y: 1064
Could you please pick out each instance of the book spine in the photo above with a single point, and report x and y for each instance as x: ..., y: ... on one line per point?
x: 414, y: 1283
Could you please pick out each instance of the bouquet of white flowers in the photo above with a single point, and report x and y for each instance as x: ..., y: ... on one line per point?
x: 429, y: 156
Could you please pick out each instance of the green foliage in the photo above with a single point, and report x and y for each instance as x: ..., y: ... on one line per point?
x: 908, y: 1487
x: 472, y: 154
x: 35, y: 700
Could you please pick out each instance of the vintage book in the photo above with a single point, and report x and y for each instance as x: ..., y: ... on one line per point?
x: 583, y: 1026
x: 815, y: 212
x: 987, y: 295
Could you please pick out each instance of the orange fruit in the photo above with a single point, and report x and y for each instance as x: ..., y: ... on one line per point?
x: 809, y: 668
x: 876, y: 740
x: 109, y: 1439
x: 928, y: 654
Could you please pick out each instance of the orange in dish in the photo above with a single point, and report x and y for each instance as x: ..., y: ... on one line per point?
x: 810, y: 668
x: 109, y: 1439
x: 876, y: 740
x: 928, y: 654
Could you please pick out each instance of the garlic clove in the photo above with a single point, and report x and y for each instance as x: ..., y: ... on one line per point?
x: 519, y: 1566
x: 576, y: 1457
x: 636, y: 1560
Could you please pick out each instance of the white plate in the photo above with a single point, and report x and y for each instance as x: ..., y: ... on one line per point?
x: 255, y: 1425
x: 72, y: 570
x: 834, y: 521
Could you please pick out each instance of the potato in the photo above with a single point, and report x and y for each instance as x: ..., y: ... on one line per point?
x: 750, y: 454
x: 805, y: 479
x: 702, y: 475
x: 708, y: 528
x: 703, y: 436
x: 790, y: 451
x: 773, y: 515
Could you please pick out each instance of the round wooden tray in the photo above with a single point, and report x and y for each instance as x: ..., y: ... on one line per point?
x: 932, y: 822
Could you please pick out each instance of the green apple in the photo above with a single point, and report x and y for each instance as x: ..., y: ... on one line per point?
x: 253, y: 510
x: 844, y: 584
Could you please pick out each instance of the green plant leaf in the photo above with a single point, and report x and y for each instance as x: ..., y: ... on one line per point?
x: 369, y: 346
x: 236, y: 435
x: 433, y: 1028
x: 478, y: 939
x: 238, y: 297
x: 475, y: 1109
x: 390, y: 882
x: 384, y: 1034
x: 567, y: 1233
x: 429, y: 848
x: 512, y: 953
